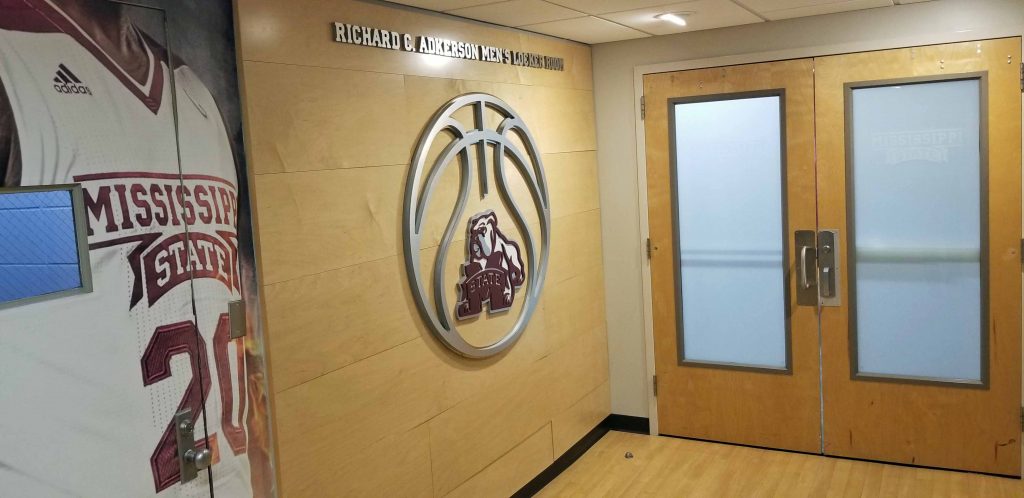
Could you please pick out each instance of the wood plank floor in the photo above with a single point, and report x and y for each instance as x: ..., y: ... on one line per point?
x: 663, y: 466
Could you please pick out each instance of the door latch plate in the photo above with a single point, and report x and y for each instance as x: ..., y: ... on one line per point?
x: 828, y: 268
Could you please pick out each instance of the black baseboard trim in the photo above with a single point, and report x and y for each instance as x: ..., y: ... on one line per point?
x: 561, y: 463
x: 624, y: 423
x: 627, y: 423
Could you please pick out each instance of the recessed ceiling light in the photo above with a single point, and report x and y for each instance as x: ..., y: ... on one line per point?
x: 672, y: 18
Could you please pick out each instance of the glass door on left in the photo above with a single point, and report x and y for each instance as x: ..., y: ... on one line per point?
x: 101, y: 360
x: 730, y: 174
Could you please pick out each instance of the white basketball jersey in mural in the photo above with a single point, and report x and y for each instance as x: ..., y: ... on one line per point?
x: 91, y: 382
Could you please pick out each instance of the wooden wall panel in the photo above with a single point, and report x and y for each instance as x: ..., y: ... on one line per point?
x: 388, y: 394
x: 367, y: 402
x: 571, y: 425
x: 464, y: 381
x: 575, y: 173
x: 506, y: 475
x: 302, y: 119
x: 577, y: 248
x: 466, y: 437
x: 569, y: 129
x: 572, y: 307
x: 315, y: 221
x: 314, y: 335
x: 397, y: 465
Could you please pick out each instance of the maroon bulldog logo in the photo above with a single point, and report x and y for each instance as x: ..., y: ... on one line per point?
x: 493, y: 270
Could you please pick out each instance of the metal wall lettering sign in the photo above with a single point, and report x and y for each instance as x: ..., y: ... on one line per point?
x: 366, y: 36
x: 496, y: 268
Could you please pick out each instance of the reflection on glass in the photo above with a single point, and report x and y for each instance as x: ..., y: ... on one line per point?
x: 916, y: 212
x: 729, y: 175
x: 38, y: 249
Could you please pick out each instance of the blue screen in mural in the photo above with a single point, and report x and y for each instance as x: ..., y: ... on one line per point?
x: 38, y: 245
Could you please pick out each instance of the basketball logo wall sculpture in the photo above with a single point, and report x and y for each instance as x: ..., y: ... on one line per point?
x: 497, y: 270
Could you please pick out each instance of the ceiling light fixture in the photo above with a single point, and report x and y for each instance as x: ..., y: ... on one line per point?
x: 672, y: 18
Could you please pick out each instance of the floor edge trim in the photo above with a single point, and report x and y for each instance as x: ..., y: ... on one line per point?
x: 613, y: 422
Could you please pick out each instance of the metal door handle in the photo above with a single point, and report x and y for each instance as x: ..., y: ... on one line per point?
x: 190, y: 459
x: 805, y: 282
x: 806, y: 285
x: 201, y: 458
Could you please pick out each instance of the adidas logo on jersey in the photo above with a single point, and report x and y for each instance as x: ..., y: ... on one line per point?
x: 67, y: 82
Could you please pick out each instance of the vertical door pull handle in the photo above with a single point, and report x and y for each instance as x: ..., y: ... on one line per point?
x: 807, y: 271
x: 805, y: 281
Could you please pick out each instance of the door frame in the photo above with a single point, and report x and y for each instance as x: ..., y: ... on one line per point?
x: 750, y: 58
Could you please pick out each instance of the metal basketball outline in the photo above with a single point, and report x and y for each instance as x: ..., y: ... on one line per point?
x: 419, y: 188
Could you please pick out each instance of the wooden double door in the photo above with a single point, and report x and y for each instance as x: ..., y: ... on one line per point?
x: 835, y: 254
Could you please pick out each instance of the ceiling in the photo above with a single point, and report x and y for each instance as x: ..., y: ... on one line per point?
x: 601, y: 21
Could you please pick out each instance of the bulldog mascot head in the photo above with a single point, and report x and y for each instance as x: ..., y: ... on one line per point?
x: 493, y: 270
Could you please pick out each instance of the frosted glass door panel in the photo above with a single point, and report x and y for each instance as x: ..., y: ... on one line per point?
x: 729, y: 183
x: 917, y: 273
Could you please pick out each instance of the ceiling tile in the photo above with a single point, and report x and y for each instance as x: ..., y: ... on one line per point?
x: 517, y: 12
x: 440, y: 5
x: 586, y: 30
x: 703, y: 14
x: 606, y: 6
x: 803, y: 8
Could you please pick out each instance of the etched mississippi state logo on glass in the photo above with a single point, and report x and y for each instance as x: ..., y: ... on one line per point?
x: 506, y: 246
x: 493, y: 271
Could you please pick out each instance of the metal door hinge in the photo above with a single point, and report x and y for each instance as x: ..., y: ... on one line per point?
x: 643, y: 107
x: 1022, y: 76
x: 1022, y: 419
x: 648, y: 248
x: 1022, y: 251
x: 655, y: 383
x: 236, y: 316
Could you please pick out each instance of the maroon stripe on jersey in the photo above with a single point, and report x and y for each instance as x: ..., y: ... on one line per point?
x: 19, y: 15
x: 141, y: 174
x: 38, y: 16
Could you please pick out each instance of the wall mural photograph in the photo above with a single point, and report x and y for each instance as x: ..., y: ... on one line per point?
x: 139, y: 105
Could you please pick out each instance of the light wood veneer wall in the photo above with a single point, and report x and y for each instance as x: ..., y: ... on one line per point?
x: 366, y: 401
